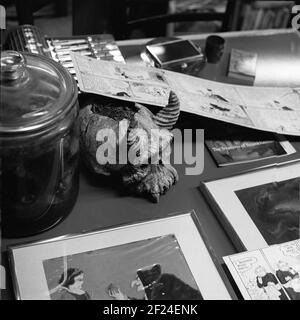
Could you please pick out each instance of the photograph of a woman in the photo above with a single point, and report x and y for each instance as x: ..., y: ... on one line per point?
x: 70, y: 286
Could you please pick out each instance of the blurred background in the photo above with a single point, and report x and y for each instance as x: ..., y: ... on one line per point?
x: 127, y: 19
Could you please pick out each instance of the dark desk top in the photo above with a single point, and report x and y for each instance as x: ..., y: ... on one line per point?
x: 100, y: 205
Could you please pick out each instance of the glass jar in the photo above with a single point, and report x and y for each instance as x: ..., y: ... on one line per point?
x: 39, y: 143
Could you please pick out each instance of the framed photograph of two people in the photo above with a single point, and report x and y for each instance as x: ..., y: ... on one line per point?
x: 160, y: 259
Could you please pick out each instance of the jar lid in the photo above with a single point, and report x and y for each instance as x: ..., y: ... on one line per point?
x: 35, y: 92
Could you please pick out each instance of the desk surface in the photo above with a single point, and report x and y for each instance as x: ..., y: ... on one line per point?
x: 100, y: 205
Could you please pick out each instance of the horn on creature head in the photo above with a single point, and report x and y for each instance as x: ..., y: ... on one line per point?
x: 168, y: 116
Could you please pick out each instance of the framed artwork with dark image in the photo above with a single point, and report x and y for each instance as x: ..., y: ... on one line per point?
x: 160, y: 259
x: 260, y: 207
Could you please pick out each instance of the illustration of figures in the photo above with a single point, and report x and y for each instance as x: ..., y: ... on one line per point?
x: 289, y: 278
x: 143, y: 91
x: 122, y: 94
x: 268, y: 282
x: 214, y: 96
x: 70, y: 285
x: 292, y: 93
x: 278, y: 106
x: 221, y: 106
x: 157, y: 286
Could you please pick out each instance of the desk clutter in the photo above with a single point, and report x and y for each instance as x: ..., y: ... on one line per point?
x: 263, y: 108
x: 242, y: 64
x: 29, y: 38
x: 45, y: 131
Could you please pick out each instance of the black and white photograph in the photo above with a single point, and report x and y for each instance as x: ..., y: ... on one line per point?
x: 241, y: 145
x: 259, y: 207
x: 153, y: 269
x: 141, y: 142
x: 275, y: 209
x: 153, y: 260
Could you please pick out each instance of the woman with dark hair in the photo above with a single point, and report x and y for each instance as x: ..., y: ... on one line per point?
x: 70, y: 285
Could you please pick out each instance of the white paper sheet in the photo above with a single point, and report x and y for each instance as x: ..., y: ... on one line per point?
x: 271, y: 273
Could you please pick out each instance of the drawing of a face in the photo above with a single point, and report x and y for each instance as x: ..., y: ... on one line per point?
x: 260, y: 271
x: 283, y: 266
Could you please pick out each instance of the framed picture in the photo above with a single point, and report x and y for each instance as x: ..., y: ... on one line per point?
x: 258, y: 208
x: 165, y: 259
x: 271, y: 273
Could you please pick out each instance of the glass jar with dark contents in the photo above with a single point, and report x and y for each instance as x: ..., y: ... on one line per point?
x: 39, y: 145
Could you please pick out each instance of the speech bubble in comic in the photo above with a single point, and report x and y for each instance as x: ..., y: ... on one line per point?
x: 245, y: 264
x: 291, y: 249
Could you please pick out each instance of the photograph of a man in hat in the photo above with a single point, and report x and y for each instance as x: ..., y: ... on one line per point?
x: 157, y: 286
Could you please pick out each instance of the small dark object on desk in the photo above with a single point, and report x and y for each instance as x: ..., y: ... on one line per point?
x: 214, y: 48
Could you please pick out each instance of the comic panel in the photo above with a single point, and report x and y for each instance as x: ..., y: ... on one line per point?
x: 254, y: 277
x: 285, y: 261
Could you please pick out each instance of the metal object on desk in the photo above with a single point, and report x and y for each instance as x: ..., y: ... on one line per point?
x: 29, y: 38
x: 39, y: 143
x: 174, y: 54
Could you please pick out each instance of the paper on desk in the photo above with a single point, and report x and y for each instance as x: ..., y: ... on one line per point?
x: 264, y: 108
x: 276, y: 266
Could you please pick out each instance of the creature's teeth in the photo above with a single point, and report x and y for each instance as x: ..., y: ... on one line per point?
x: 168, y: 116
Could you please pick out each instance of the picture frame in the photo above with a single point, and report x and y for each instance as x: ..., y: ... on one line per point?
x: 270, y: 273
x: 259, y: 207
x: 170, y: 249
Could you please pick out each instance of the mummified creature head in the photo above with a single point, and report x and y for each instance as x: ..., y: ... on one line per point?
x: 129, y: 140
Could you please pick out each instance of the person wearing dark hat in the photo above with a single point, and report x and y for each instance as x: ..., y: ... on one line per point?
x: 70, y: 285
x: 159, y: 286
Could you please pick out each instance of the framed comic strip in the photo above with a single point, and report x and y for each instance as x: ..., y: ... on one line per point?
x: 166, y: 258
x: 260, y: 207
x: 271, y: 273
